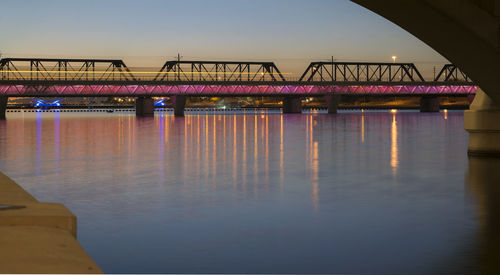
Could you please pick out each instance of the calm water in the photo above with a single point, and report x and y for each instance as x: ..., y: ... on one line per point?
x: 372, y: 192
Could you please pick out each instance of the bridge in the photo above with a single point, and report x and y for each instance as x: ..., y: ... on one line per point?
x: 179, y: 79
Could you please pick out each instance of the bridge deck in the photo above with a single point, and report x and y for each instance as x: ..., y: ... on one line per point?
x: 38, y: 89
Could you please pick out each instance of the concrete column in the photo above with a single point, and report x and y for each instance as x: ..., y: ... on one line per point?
x: 292, y: 105
x: 482, y: 122
x: 144, y: 107
x: 429, y: 104
x: 3, y: 106
x: 179, y: 102
x: 332, y: 103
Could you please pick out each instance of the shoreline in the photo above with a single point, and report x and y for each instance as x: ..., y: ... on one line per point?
x: 38, y: 237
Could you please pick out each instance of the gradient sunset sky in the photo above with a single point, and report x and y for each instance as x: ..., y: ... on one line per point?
x: 146, y: 33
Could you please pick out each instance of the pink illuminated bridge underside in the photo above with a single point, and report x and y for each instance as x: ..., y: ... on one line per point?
x: 236, y: 90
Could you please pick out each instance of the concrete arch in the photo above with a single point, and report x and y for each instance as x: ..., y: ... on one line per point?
x: 466, y: 32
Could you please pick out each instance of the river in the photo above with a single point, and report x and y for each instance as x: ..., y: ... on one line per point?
x: 255, y: 191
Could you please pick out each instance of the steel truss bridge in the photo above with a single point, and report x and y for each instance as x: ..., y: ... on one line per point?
x: 44, y: 77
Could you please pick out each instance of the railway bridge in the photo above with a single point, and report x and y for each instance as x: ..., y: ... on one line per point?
x: 179, y: 79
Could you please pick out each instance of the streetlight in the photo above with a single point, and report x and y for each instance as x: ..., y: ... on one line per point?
x: 394, y: 59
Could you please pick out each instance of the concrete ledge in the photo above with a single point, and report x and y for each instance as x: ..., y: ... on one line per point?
x: 12, y: 193
x: 40, y: 214
x: 26, y: 249
x: 39, y: 237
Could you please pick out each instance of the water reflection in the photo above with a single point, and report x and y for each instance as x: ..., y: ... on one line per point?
x: 244, y: 168
x: 394, y: 144
x: 235, y: 166
x: 57, y: 142
x: 198, y: 194
x: 282, y: 166
x: 362, y: 126
x: 313, y: 164
x: 255, y: 157
x: 483, y: 181
x: 214, y: 152
x: 38, y: 142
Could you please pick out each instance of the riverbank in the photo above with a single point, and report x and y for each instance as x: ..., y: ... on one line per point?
x: 38, y: 237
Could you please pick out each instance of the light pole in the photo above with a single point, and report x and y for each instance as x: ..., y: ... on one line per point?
x: 394, y: 59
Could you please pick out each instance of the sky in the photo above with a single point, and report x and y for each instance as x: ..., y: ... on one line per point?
x: 146, y: 33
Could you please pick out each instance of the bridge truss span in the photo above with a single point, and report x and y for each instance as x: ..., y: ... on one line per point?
x: 406, y: 90
x: 361, y: 72
x: 202, y: 71
x: 450, y: 74
x: 48, y: 69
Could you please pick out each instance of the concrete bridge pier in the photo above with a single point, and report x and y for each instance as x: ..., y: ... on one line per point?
x: 179, y: 102
x: 429, y: 104
x: 144, y: 107
x: 332, y: 103
x: 482, y: 122
x: 292, y: 105
x: 3, y: 106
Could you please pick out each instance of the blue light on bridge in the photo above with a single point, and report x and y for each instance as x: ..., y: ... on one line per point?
x: 45, y: 103
x: 160, y: 103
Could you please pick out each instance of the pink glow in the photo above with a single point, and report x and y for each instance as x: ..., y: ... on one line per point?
x: 163, y: 90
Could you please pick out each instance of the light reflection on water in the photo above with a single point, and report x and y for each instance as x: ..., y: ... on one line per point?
x: 394, y: 144
x: 356, y: 192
